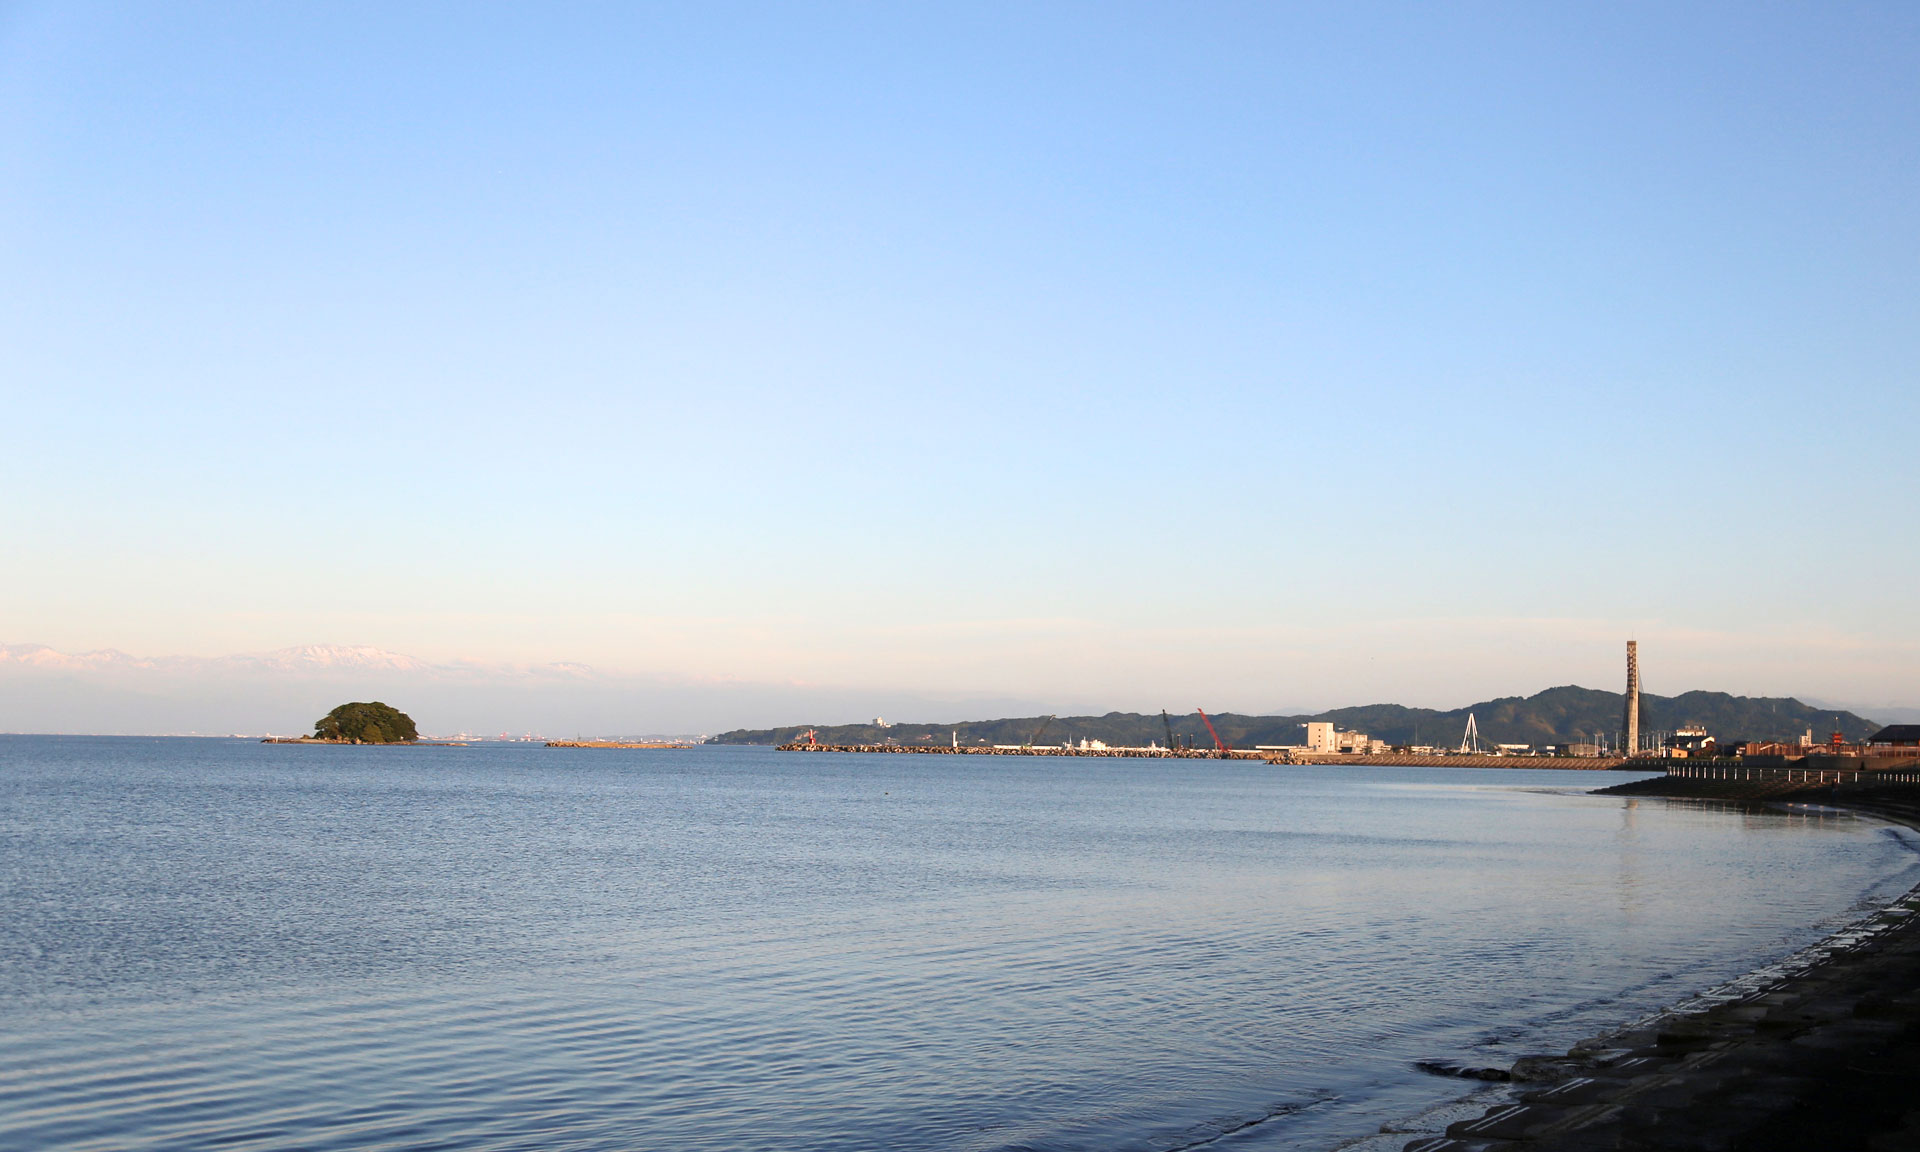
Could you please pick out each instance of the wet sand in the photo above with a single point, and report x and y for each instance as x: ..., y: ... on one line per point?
x: 1821, y: 1053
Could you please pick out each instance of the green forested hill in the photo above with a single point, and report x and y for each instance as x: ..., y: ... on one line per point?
x: 1555, y: 716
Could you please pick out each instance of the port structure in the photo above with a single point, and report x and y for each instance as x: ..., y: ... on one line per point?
x: 1219, y: 744
x: 1470, y: 740
x: 1038, y: 732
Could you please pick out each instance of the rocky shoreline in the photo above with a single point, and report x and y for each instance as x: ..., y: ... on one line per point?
x: 1821, y: 1052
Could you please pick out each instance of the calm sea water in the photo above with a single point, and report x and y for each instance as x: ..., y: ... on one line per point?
x: 222, y: 944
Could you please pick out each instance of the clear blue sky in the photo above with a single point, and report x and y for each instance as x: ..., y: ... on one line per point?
x: 1272, y: 355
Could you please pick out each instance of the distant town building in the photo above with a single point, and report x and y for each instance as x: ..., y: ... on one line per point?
x: 1580, y: 749
x: 1896, y: 736
x: 1328, y: 738
x: 1689, y: 741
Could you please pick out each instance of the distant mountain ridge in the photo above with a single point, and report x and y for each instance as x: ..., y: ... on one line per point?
x: 108, y: 691
x: 1561, y: 715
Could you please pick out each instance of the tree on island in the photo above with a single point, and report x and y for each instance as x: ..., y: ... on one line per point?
x: 370, y: 723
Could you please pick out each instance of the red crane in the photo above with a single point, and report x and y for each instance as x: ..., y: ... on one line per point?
x: 1217, y: 742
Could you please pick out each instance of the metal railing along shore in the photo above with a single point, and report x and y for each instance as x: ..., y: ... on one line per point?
x: 1908, y: 773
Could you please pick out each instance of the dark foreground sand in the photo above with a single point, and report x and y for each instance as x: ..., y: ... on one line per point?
x: 1823, y: 1055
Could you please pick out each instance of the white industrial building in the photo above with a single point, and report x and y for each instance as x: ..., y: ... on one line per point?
x: 1329, y: 739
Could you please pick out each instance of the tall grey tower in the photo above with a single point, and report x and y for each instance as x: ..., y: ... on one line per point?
x: 1630, y: 722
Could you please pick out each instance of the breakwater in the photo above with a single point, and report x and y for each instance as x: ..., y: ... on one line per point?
x: 366, y: 744
x: 1270, y: 756
x: 1460, y: 760
x: 1038, y: 750
x: 1864, y: 781
x: 615, y: 744
x: 1868, y: 771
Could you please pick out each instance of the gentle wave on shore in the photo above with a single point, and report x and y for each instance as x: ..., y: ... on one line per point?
x: 504, y: 947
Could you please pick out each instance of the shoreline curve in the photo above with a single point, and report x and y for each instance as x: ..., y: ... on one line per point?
x: 1819, y: 1050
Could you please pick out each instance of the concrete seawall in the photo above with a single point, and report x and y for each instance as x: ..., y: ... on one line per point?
x: 1038, y: 750
x: 1352, y: 760
x: 1408, y: 760
x: 615, y: 744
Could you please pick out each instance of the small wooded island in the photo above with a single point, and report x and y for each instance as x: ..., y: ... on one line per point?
x: 366, y: 723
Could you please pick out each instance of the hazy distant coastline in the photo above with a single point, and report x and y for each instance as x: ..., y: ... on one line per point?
x: 1555, y: 716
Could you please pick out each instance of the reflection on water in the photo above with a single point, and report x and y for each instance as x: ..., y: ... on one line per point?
x: 219, y: 943
x: 1632, y: 865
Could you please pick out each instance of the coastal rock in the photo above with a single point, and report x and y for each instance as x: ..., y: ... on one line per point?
x: 1546, y: 1069
x: 1463, y: 1071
